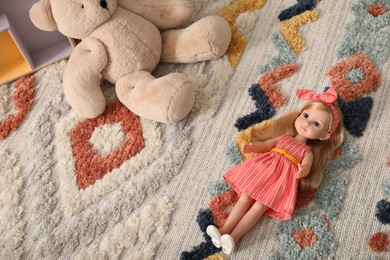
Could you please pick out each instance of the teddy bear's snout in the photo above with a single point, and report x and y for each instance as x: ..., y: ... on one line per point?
x: 103, y: 4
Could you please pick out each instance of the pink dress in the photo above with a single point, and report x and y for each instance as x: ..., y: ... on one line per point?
x: 270, y: 177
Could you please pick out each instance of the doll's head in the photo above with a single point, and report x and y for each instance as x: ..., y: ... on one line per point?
x: 323, y: 148
x: 314, y: 122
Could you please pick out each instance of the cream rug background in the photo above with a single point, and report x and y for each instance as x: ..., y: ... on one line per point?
x: 148, y: 207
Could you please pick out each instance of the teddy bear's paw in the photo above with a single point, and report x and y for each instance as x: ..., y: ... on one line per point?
x: 206, y: 39
x: 86, y: 102
x: 168, y: 99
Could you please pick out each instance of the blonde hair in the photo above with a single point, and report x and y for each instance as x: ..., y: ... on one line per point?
x: 323, y: 150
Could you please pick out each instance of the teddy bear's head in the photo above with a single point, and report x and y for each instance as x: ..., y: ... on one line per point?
x: 73, y: 18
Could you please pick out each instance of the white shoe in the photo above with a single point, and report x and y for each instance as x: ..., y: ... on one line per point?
x: 227, y: 244
x: 213, y: 232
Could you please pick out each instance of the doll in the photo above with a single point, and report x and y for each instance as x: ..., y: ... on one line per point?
x: 292, y: 155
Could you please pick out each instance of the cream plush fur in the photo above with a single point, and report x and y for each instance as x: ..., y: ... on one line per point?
x: 124, y: 40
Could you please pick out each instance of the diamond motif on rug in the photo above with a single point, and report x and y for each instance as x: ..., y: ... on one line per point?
x: 90, y: 165
x: 87, y: 173
x: 361, y: 64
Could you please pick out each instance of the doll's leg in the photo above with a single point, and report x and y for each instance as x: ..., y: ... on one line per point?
x: 248, y: 220
x: 237, y: 213
x: 227, y: 241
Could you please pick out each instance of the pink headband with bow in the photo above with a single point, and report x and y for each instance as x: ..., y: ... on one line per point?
x: 328, y: 97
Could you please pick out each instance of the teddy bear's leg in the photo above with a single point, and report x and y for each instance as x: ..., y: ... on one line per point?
x: 81, y: 78
x: 205, y: 39
x: 167, y: 99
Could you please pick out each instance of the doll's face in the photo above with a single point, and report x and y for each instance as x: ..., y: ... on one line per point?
x: 313, y: 124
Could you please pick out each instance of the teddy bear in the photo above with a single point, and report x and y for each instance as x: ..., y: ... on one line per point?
x: 123, y: 41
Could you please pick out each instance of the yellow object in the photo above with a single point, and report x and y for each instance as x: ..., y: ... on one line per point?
x: 285, y: 153
x: 217, y: 256
x: 12, y: 62
x: 230, y: 14
x: 289, y: 29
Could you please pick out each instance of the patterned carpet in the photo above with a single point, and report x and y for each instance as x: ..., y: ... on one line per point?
x: 122, y: 187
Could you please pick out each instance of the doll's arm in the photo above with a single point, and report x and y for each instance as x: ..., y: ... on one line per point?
x: 305, y: 166
x: 260, y: 147
x: 165, y: 14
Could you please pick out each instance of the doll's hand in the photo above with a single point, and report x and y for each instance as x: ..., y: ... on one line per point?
x: 248, y: 148
x: 302, y: 171
x: 257, y: 147
x: 254, y: 148
x: 260, y: 147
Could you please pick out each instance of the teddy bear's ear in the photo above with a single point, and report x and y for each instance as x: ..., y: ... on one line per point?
x: 41, y: 16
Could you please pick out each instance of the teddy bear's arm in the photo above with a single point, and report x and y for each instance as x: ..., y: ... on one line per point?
x: 82, y: 78
x: 165, y: 14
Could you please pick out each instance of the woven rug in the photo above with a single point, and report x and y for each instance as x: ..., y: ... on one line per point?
x: 122, y: 187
